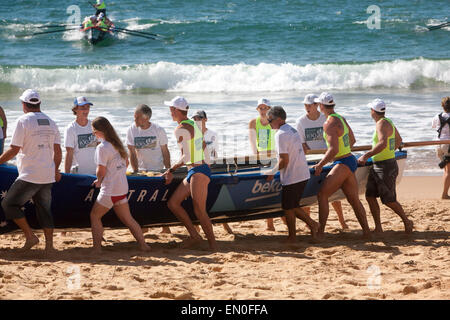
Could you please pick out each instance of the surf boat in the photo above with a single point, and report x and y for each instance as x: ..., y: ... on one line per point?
x: 235, y: 193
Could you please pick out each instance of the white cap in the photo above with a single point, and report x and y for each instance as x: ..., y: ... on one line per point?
x: 30, y: 94
x: 81, y: 101
x: 325, y: 98
x: 377, y: 105
x: 178, y: 102
x: 264, y: 101
x: 309, y: 98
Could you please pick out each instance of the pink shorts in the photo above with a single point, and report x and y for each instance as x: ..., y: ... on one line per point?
x: 110, y: 201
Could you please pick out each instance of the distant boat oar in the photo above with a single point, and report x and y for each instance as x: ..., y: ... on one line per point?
x: 53, y: 31
x: 134, y: 34
x: 140, y: 32
x: 439, y: 26
x: 56, y: 26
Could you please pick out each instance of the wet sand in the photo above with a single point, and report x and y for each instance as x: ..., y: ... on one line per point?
x: 251, y: 264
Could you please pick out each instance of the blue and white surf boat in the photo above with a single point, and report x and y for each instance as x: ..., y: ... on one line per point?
x: 235, y: 193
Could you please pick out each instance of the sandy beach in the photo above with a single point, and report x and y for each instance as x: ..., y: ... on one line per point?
x: 251, y: 264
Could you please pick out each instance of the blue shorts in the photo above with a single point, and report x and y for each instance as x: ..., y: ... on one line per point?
x: 204, y: 168
x: 349, y: 161
x: 1, y: 145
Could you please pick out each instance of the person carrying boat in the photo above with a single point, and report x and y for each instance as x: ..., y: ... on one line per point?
x: 383, y: 174
x: 3, y: 127
x: 190, y: 141
x: 294, y: 172
x: 147, y: 145
x: 100, y: 6
x: 441, y: 122
x: 210, y: 137
x: 310, y: 129
x: 261, y: 137
x: 111, y: 159
x: 79, y: 140
x: 339, y: 138
x: 36, y: 142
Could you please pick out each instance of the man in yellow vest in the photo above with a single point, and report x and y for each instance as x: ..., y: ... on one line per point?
x: 101, y: 7
x: 190, y: 140
x: 339, y: 138
x: 261, y: 137
x: 383, y: 173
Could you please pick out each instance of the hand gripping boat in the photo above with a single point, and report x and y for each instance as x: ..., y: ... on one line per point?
x: 95, y: 34
x: 235, y: 193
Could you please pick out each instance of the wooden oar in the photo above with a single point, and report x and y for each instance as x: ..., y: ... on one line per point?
x: 404, y: 145
x: 53, y: 31
x: 139, y: 32
x: 133, y: 34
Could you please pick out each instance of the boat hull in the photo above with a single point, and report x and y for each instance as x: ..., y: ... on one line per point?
x: 243, y: 195
x: 96, y: 35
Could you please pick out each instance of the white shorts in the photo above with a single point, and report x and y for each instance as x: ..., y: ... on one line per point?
x: 442, y: 151
x: 110, y: 201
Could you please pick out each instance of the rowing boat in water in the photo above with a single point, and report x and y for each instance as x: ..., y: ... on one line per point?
x: 95, y: 35
x: 239, y: 195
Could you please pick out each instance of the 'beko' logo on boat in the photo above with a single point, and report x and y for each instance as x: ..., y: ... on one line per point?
x: 274, y: 186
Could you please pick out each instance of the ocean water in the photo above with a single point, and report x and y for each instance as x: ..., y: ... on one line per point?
x: 225, y: 55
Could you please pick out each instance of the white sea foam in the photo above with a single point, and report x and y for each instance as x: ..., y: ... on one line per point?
x: 233, y: 78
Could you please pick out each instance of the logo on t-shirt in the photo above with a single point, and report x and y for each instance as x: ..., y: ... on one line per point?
x: 86, y: 141
x: 43, y: 122
x: 145, y: 142
x: 314, y: 134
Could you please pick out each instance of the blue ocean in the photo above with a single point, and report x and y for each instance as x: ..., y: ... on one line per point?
x: 225, y: 55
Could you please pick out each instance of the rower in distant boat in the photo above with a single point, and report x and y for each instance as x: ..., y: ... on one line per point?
x: 100, y: 6
x: 103, y: 22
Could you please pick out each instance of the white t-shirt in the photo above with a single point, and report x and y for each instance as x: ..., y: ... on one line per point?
x: 210, y: 138
x: 287, y: 140
x: 83, y: 142
x: 436, y: 124
x: 36, y: 134
x: 148, y: 144
x: 311, y: 131
x: 115, y: 181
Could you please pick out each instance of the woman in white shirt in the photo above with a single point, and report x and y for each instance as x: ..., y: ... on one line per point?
x: 112, y: 162
x: 441, y: 122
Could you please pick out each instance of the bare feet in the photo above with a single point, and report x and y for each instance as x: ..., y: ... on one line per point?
x: 30, y: 243
x: 409, y: 225
x: 270, y: 226
x: 191, y: 243
x: 344, y: 226
x: 378, y: 230
x: 165, y: 230
x: 290, y: 240
x: 145, y: 248
x: 445, y: 197
x: 315, y: 231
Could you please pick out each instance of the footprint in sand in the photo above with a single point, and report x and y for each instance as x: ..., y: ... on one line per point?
x: 185, y: 296
x: 113, y: 288
x: 162, y: 294
x: 409, y: 290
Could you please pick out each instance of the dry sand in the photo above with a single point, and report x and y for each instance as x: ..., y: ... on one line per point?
x: 252, y: 263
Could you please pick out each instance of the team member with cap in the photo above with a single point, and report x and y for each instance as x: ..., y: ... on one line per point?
x: 310, y: 129
x: 294, y: 171
x: 36, y: 142
x: 190, y: 140
x: 339, y: 139
x: 210, y: 138
x: 441, y: 122
x: 383, y: 174
x: 147, y: 144
x: 79, y: 140
x: 261, y: 137
x: 3, y: 127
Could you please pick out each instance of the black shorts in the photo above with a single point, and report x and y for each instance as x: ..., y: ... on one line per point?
x: 292, y: 194
x: 381, y: 181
